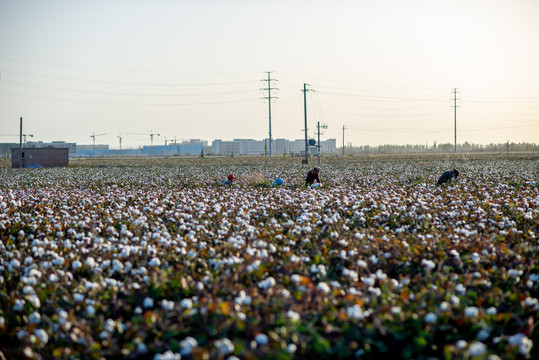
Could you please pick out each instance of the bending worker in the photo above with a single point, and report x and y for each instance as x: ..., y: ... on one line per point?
x: 312, y: 176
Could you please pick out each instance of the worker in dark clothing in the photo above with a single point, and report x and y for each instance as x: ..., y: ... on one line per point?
x: 312, y: 176
x: 448, y: 176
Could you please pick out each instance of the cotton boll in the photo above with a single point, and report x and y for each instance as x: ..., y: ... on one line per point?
x: 262, y: 339
x: 477, y: 349
x: 34, y: 318
x: 430, y: 318
x: 42, y: 336
x: 148, y: 302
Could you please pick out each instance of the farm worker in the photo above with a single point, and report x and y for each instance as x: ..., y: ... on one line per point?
x: 448, y: 176
x: 229, y: 180
x: 277, y: 182
x: 312, y: 176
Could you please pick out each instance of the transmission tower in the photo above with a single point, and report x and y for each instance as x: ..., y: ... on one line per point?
x: 269, y: 97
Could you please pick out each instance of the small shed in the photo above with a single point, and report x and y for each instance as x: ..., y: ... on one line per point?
x: 39, y: 157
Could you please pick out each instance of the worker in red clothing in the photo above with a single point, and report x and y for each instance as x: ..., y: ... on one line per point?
x: 312, y: 176
x: 229, y: 180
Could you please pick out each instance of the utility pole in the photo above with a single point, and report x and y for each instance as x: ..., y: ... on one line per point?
x: 20, y: 145
x: 151, y: 138
x: 455, y: 107
x: 305, y: 112
x: 120, y: 139
x: 343, y: 140
x: 269, y: 88
x: 324, y: 126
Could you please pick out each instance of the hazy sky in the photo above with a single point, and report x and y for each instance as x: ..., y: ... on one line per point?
x: 385, y: 69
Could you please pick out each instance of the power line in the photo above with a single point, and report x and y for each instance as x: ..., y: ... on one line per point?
x: 58, y: 88
x: 123, y: 103
x: 46, y: 76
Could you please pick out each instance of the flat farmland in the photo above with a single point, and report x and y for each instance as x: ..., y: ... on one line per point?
x: 154, y: 259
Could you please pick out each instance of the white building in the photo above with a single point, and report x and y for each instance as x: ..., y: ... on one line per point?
x: 261, y: 147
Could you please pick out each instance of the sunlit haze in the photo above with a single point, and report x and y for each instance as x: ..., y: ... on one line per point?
x: 385, y: 70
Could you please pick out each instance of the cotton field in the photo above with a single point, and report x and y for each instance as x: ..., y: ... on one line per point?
x: 155, y: 259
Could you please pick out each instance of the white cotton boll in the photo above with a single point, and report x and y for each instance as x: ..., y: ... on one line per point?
x: 431, y: 318
x: 186, y: 304
x: 483, y: 334
x: 292, y: 315
x: 2, y: 321
x: 19, y: 304
x: 154, y: 262
x: 444, y: 306
x: 291, y: 348
x: 109, y: 325
x: 34, y: 318
x: 90, y: 310
x: 167, y: 305
x: 90, y: 262
x: 78, y: 297
x: 492, y: 310
x: 354, y: 312
x: 460, y: 289
x: 323, y: 287
x: 137, y: 310
x: 34, y: 301
x: 395, y: 310
x: 521, y: 340
x: 369, y: 281
x: 428, y: 264
x: 22, y: 334
x: 58, y: 261
x: 76, y: 264
x: 262, y: 339
x: 477, y: 349
x: 461, y: 344
x: 41, y: 335
x: 476, y: 257
x: 267, y: 283
x: 28, y: 290
x: 187, y: 345
x: 514, y: 273
x: 471, y: 311
x: 148, y: 302
x: 362, y: 264
x: 224, y: 346
x: 62, y: 317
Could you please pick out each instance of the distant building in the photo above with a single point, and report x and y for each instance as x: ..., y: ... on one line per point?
x: 194, y: 142
x: 173, y: 149
x: 55, y: 144
x: 261, y: 147
x: 39, y: 157
x: 5, y: 148
x: 93, y: 147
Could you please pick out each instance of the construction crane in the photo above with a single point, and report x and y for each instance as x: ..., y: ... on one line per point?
x: 151, y: 134
x: 23, y: 135
x: 94, y: 135
x: 171, y: 141
x: 120, y: 138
